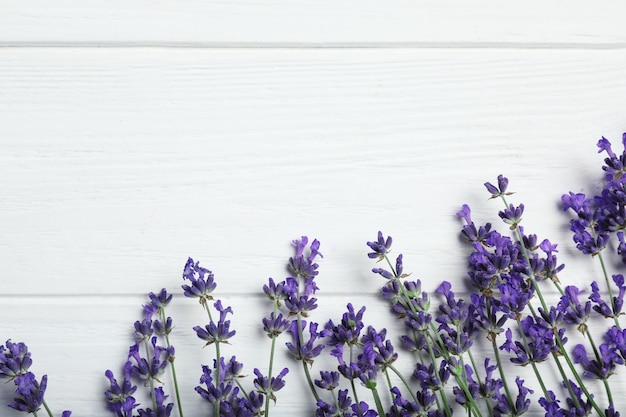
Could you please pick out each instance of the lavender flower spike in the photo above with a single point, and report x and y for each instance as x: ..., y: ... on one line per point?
x: 15, y: 359
x: 381, y: 247
x: 500, y: 190
x: 29, y: 393
x: 201, y: 281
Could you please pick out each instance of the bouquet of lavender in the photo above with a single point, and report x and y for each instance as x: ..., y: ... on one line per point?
x: 506, y: 312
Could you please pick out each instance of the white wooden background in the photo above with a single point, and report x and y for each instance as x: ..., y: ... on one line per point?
x: 136, y: 134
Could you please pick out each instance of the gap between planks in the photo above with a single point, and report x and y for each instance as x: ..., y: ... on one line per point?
x: 306, y: 45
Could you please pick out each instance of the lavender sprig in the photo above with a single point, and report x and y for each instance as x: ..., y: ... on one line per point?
x: 15, y: 362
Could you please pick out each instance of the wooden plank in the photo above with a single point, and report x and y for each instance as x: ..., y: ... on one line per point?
x: 317, y: 23
x: 118, y: 164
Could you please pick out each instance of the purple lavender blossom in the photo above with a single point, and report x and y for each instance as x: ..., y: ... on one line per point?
x: 15, y: 360
x: 614, y: 164
x: 599, y: 217
x: 298, y: 290
x: 500, y: 190
x: 540, y: 339
x: 616, y: 339
x: 380, y: 247
x: 346, y: 332
x: 330, y: 410
x: 29, y: 393
x: 489, y: 314
x: 328, y: 380
x: 301, y: 350
x: 574, y: 312
x: 143, y: 330
x: 469, y: 231
x: 473, y: 387
x: 456, y: 330
x: 403, y: 407
x: 429, y: 378
x: 609, y: 358
x: 217, y: 332
x: 275, y: 291
x: 119, y: 396
x: 268, y: 386
x: 362, y: 410
x: 201, y: 281
x: 153, y: 367
x: 162, y: 329
x: 162, y: 409
x: 229, y: 396
x: 512, y: 215
x: 229, y: 370
x: 160, y: 300
x: 504, y: 407
x: 304, y: 264
x: 274, y: 325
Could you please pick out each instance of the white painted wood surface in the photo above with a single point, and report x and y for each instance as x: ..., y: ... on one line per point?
x: 135, y: 135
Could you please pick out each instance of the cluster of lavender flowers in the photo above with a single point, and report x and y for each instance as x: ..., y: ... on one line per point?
x: 15, y: 362
x: 505, y: 311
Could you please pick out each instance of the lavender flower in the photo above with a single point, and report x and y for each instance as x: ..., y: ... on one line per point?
x: 380, y: 247
x: 201, y: 281
x: 500, y: 190
x: 119, y: 396
x: 15, y: 360
x: 301, y: 350
x: 217, y: 332
x: 328, y: 380
x: 268, y: 386
x: 150, y: 368
x: 29, y: 392
x: 346, y: 332
x: 162, y: 409
x: 601, y: 368
x: 304, y: 264
x: 143, y: 330
x: 573, y: 311
x: 274, y: 325
x: 160, y: 300
x: 344, y: 408
x: 512, y: 215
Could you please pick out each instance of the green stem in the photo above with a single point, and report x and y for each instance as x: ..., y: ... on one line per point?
x: 442, y: 394
x: 496, y: 353
x: 601, y: 362
x: 47, y: 409
x: 269, y: 375
x: 242, y: 389
x: 356, y: 397
x: 154, y: 406
x: 566, y: 382
x: 379, y: 404
x: 218, y: 371
x: 608, y: 286
x: 177, y: 391
x: 471, y: 357
x: 218, y: 361
x: 404, y: 381
x: 304, y: 365
x: 576, y: 376
x: 388, y: 379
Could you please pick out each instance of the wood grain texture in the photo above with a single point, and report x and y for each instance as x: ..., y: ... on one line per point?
x: 312, y: 22
x: 119, y: 163
x: 136, y: 134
